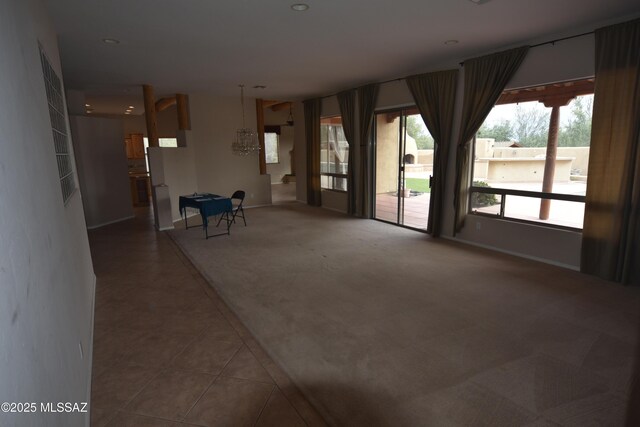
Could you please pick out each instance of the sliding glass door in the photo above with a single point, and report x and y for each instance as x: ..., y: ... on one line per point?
x: 403, y: 167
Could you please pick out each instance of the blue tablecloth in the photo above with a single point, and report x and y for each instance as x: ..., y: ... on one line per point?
x: 208, y: 204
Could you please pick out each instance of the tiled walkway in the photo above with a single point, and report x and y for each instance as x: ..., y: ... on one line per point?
x: 167, y: 351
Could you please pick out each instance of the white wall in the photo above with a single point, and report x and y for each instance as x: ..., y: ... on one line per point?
x: 214, y: 121
x: 335, y: 200
x: 102, y: 169
x: 177, y: 172
x: 46, y: 276
x: 167, y: 122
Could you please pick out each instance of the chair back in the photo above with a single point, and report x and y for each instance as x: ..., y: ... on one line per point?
x: 238, y: 195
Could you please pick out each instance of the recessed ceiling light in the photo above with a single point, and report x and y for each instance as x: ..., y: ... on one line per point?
x: 479, y: 1
x: 132, y: 107
x: 127, y: 112
x: 450, y: 42
x: 87, y: 105
x: 300, y: 7
x: 110, y: 41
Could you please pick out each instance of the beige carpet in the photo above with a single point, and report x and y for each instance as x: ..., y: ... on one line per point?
x: 384, y: 326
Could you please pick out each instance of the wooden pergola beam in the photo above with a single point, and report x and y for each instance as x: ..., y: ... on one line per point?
x: 541, y: 93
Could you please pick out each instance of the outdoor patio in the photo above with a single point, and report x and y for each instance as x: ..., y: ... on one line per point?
x: 562, y: 213
x: 416, y: 209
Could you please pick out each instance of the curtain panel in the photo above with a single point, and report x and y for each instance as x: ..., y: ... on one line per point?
x: 435, y: 96
x: 367, y: 96
x: 611, y: 232
x: 484, y: 80
x: 347, y: 102
x: 312, y: 133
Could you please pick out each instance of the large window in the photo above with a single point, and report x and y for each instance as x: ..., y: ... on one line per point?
x: 58, y: 116
x: 271, y: 147
x: 334, y: 154
x: 531, y: 155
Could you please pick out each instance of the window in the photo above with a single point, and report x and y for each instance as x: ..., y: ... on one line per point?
x: 162, y: 142
x: 58, y: 116
x: 334, y: 154
x: 531, y: 155
x: 271, y: 147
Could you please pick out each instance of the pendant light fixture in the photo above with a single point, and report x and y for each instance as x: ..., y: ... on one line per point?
x: 290, y: 118
x: 246, y: 141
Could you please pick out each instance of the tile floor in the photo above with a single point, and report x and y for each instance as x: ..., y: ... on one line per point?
x: 167, y: 351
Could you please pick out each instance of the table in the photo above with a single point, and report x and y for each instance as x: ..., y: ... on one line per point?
x: 208, y: 204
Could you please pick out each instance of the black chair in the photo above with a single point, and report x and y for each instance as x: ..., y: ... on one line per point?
x: 237, y: 198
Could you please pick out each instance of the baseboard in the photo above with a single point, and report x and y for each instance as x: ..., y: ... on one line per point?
x: 166, y: 228
x: 110, y: 222
x: 333, y: 209
x: 255, y: 206
x: 518, y: 254
x: 89, y: 351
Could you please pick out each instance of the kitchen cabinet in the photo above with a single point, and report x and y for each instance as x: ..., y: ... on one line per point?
x: 138, y: 145
x: 128, y: 148
x: 140, y: 189
x: 134, y: 146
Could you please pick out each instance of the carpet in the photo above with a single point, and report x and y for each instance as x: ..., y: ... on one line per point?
x: 380, y: 325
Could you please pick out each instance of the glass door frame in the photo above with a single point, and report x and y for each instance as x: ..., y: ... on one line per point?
x: 402, y: 132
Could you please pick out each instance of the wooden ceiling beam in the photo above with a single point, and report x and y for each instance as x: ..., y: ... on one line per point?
x: 269, y: 102
x: 281, y: 106
x: 164, y: 103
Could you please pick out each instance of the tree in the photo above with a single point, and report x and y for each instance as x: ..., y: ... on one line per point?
x: 531, y: 125
x: 577, y: 131
x: 501, y: 131
x: 418, y: 131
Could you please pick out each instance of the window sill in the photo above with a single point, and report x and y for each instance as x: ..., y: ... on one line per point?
x: 527, y: 222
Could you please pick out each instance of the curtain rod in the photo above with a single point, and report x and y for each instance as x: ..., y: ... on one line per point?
x: 563, y: 39
x: 551, y: 42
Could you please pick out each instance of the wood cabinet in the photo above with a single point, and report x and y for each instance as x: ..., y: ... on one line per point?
x: 134, y: 146
x: 138, y: 145
x: 140, y: 190
x: 128, y: 148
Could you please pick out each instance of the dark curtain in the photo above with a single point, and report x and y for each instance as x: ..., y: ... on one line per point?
x: 312, y: 133
x: 484, y: 80
x: 435, y: 96
x: 611, y: 233
x: 367, y: 96
x: 347, y: 102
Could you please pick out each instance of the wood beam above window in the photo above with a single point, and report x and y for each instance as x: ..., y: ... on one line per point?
x: 551, y: 94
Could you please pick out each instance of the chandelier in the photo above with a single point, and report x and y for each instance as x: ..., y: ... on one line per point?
x: 246, y: 141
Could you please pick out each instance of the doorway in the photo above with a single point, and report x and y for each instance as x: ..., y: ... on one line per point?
x: 403, y: 168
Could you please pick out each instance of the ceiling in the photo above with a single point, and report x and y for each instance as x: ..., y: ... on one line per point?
x: 186, y: 46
